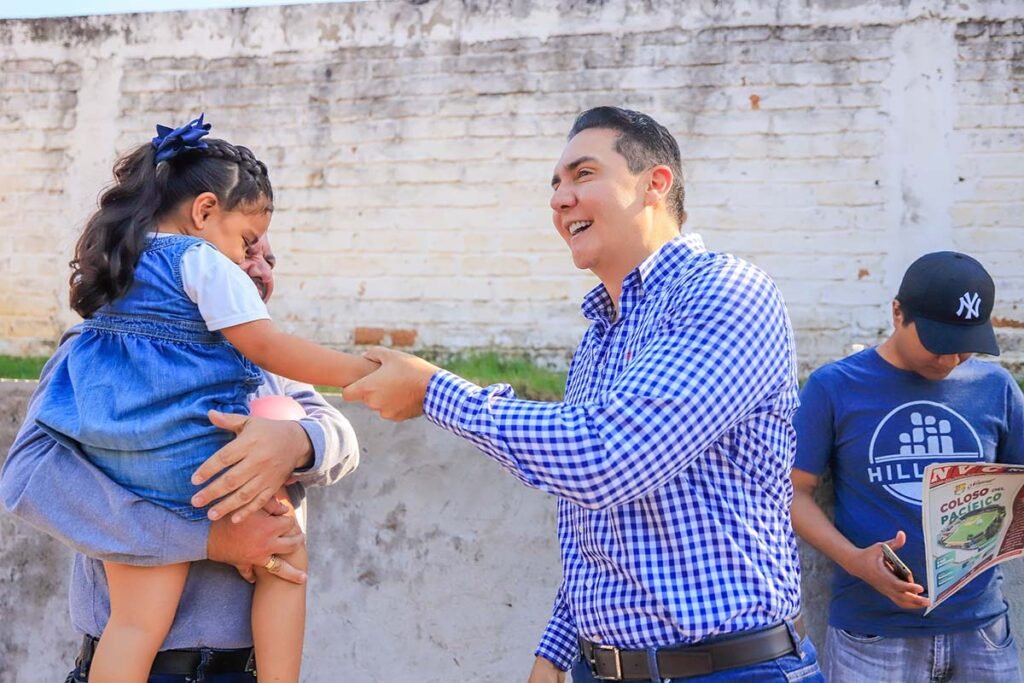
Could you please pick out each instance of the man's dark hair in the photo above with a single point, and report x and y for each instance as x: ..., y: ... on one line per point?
x: 908, y: 315
x: 643, y: 142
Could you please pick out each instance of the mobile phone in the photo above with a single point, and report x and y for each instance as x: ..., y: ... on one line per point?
x: 894, y: 564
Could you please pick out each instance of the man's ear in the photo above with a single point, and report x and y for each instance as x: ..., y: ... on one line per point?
x: 659, y: 184
x: 897, y: 314
x: 202, y: 206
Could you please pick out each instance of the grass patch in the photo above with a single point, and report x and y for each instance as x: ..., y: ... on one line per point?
x: 485, y: 368
x: 17, y: 367
x: 489, y: 367
x: 528, y: 379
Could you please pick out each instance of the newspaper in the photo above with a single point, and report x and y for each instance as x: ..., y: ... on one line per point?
x: 973, y: 518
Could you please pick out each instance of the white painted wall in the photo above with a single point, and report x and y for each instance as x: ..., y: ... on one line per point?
x: 410, y: 145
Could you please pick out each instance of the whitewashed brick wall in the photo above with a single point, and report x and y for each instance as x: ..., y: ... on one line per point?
x: 411, y: 144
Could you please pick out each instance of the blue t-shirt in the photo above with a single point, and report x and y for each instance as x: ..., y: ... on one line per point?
x: 877, y: 427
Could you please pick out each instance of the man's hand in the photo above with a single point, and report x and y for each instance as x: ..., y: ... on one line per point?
x: 261, y: 458
x: 867, y: 565
x: 397, y: 389
x: 270, y: 531
x: 545, y: 672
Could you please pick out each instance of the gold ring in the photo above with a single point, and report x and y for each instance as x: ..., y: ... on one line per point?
x: 273, y: 565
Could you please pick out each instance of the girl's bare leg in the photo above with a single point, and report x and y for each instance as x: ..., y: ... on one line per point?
x: 143, y: 601
x: 279, y: 622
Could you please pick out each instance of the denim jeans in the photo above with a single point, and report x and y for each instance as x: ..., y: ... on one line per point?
x: 77, y: 676
x: 986, y: 655
x: 785, y: 669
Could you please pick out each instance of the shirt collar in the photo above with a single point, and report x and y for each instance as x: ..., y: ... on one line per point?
x: 652, y: 271
x: 671, y: 258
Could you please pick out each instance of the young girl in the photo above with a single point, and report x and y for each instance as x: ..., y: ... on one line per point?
x: 173, y: 328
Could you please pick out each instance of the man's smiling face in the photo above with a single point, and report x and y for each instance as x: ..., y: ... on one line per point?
x: 259, y: 266
x: 596, y: 201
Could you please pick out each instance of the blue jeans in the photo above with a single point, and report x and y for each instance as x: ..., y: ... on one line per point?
x: 785, y: 669
x: 77, y: 676
x: 986, y: 655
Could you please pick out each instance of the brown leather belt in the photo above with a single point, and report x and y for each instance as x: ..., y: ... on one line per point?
x: 609, y: 663
x: 184, y: 662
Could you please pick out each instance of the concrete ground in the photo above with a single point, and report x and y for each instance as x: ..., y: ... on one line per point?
x: 429, y: 565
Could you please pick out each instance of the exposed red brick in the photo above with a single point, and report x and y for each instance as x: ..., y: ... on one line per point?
x: 384, y: 336
x: 1007, y: 322
x: 402, y: 337
x: 369, y: 335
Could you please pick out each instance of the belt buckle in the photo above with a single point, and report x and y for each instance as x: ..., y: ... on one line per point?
x: 618, y: 662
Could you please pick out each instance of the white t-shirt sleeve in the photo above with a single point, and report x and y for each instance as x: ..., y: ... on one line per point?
x: 223, y: 292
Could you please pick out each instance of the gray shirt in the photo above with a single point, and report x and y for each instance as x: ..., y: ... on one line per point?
x: 61, y: 494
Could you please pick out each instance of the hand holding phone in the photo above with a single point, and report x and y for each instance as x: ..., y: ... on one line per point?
x: 894, y: 564
x: 891, y: 577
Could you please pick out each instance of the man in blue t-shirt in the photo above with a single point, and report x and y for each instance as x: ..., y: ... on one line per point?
x: 877, y: 418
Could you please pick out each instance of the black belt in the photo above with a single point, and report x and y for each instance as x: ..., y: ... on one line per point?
x: 609, y: 663
x: 184, y: 662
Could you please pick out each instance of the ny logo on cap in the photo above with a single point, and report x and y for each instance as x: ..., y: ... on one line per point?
x: 970, y: 305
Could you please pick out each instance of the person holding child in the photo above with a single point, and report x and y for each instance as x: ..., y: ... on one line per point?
x: 211, y: 635
x: 174, y: 330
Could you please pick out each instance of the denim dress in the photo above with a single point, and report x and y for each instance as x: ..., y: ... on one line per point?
x: 132, y: 393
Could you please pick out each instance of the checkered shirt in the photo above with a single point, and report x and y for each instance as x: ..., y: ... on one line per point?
x: 670, y: 456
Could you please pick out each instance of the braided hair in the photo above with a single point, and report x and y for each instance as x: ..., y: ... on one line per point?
x: 144, y: 193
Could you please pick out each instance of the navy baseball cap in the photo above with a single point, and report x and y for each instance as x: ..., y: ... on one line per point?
x: 950, y: 296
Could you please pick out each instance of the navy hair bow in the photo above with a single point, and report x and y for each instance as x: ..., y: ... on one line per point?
x: 169, y: 143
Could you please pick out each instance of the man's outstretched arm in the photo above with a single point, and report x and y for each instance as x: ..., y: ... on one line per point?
x: 710, y: 364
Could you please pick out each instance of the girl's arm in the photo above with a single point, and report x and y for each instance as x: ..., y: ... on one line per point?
x: 262, y: 342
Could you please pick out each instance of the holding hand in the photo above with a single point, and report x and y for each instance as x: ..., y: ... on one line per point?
x: 867, y: 564
x: 397, y: 389
x: 259, y: 461
x: 270, y: 532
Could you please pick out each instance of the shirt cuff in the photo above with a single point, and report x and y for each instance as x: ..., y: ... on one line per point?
x: 315, y: 432
x: 447, y: 393
x: 183, y: 540
x: 559, y: 644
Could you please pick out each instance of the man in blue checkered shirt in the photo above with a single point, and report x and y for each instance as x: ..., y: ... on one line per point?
x: 670, y: 455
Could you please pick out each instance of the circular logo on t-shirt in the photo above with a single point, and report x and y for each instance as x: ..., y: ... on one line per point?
x: 915, y: 435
